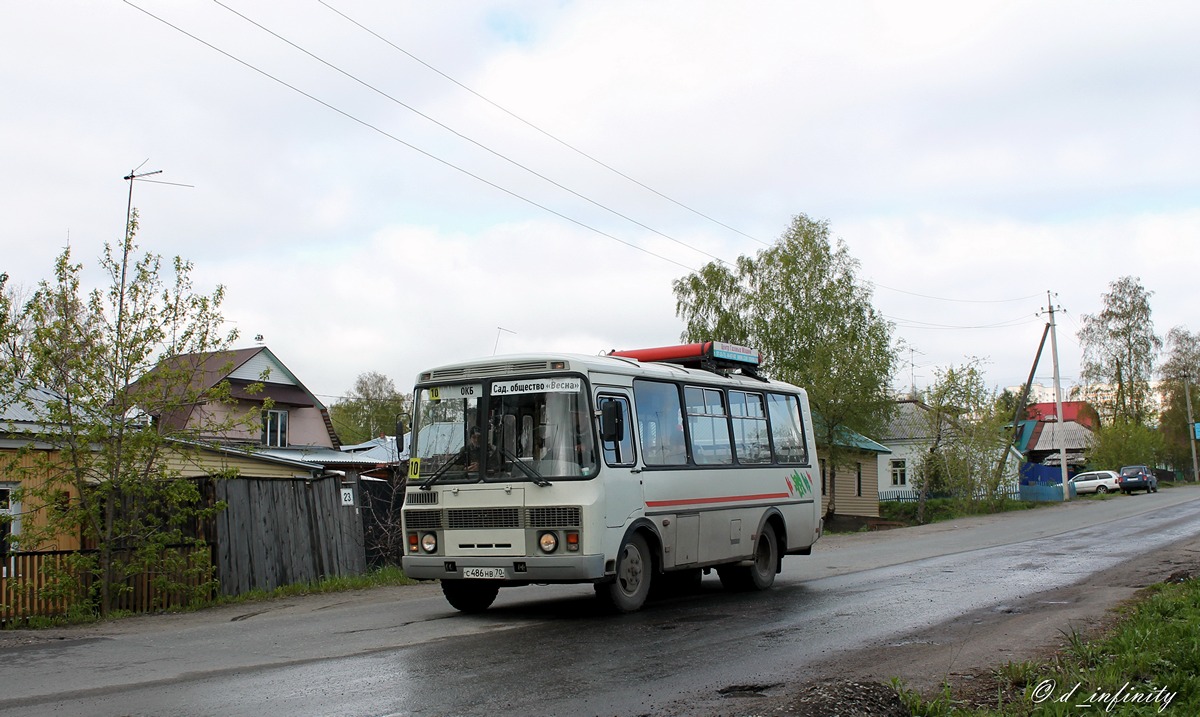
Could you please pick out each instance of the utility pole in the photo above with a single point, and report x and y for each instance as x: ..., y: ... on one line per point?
x: 1187, y: 396
x: 1062, y: 446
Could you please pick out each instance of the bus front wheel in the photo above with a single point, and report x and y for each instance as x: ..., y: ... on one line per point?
x: 470, y: 595
x: 627, y: 593
x: 760, y: 574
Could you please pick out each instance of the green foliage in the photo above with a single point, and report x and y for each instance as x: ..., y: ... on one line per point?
x: 104, y: 370
x: 371, y: 409
x: 801, y: 304
x: 1124, y: 443
x: 970, y: 439
x: 1119, y: 349
x: 1180, y: 371
x: 940, y: 509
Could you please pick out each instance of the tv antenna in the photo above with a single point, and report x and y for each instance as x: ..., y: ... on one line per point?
x: 131, y: 177
x: 498, y: 330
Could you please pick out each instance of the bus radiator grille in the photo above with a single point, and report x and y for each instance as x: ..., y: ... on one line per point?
x: 554, y: 517
x: 468, y: 518
x: 423, y: 519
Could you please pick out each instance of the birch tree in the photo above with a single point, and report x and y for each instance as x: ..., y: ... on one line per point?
x: 1119, y: 351
x: 801, y: 304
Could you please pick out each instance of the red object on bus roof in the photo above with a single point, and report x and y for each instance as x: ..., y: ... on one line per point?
x: 694, y: 353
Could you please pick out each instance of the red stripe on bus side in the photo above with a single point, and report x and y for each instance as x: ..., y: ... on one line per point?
x: 725, y: 499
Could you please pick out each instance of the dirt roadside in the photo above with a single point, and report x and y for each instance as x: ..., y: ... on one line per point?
x: 962, y: 653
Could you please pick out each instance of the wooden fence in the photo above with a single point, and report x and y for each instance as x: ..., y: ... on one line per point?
x: 27, y: 588
x: 277, y: 532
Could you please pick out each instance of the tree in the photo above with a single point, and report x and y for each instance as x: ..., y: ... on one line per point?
x: 1119, y: 349
x: 968, y: 423
x: 14, y: 328
x: 99, y: 466
x: 371, y: 409
x: 1180, y: 372
x: 1124, y: 443
x: 800, y: 303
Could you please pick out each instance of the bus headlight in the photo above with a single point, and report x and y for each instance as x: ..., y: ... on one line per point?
x: 429, y: 542
x: 548, y: 542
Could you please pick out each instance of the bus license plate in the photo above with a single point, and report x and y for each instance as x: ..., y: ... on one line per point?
x: 484, y: 573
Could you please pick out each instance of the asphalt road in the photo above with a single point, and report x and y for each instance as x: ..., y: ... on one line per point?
x: 548, y: 651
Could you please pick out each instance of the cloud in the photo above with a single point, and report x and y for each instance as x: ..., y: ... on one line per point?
x: 983, y: 151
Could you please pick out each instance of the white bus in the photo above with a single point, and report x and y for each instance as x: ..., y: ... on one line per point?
x: 622, y: 470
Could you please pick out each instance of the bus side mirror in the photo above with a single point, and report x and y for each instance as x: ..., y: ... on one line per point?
x: 612, y: 422
x: 399, y: 437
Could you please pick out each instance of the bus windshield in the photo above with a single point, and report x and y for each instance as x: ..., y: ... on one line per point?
x: 524, y: 430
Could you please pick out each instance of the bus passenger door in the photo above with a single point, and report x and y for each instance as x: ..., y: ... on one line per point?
x: 622, y: 487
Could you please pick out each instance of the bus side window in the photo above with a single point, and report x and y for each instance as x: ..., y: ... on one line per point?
x: 708, y: 426
x: 749, y: 427
x: 660, y: 423
x: 787, y: 430
x: 620, y: 451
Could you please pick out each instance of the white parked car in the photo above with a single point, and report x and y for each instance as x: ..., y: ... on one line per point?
x: 1096, y: 482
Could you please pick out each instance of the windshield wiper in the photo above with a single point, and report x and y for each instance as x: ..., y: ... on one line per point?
x: 530, y: 472
x: 428, y: 482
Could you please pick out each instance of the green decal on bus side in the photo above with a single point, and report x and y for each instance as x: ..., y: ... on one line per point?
x: 800, y: 483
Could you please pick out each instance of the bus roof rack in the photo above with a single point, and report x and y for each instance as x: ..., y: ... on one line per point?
x: 715, y: 356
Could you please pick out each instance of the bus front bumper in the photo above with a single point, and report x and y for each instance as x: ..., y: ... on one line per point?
x: 524, y: 569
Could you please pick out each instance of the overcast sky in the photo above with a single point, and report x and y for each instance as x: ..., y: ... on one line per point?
x: 364, y: 176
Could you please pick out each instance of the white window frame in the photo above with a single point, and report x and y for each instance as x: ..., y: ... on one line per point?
x: 280, y: 427
x: 899, y: 467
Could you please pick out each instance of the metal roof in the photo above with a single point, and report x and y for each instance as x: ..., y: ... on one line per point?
x: 381, y: 450
x: 28, y: 407
x: 911, y: 422
x: 1068, y: 434
x: 322, y: 455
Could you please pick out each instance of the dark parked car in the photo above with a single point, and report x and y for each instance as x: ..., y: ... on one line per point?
x: 1138, y: 478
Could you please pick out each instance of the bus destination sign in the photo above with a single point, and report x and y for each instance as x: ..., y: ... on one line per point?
x: 537, y: 385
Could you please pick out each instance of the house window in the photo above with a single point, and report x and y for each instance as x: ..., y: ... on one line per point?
x: 275, y: 429
x: 899, y: 472
x: 9, y: 518
x: 858, y: 480
x: 824, y: 488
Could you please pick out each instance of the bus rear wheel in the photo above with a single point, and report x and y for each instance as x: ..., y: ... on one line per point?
x: 760, y: 574
x: 628, y: 592
x: 470, y: 595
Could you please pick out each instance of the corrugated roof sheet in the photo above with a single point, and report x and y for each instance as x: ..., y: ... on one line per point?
x: 28, y: 407
x: 911, y: 422
x: 1054, y: 436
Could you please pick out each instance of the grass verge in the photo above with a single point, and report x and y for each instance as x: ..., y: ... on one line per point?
x: 380, y: 577
x: 1147, y: 664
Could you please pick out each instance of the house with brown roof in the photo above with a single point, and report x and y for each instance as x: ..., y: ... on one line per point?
x: 259, y: 384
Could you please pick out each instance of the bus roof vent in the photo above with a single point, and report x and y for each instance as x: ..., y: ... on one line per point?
x: 714, y: 356
x: 491, y: 369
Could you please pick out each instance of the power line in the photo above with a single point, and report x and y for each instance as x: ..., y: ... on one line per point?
x: 539, y: 129
x: 960, y: 301
x: 460, y: 135
x: 394, y: 138
x: 914, y: 324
